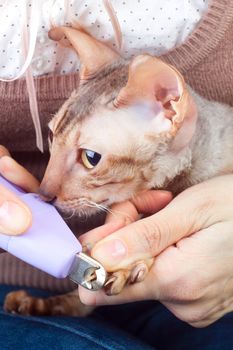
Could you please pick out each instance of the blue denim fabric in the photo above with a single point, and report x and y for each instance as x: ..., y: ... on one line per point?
x: 142, y: 325
x: 152, y: 323
x: 60, y: 333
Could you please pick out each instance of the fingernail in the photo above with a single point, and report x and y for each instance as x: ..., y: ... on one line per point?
x: 110, y: 252
x: 87, y: 247
x: 14, y: 219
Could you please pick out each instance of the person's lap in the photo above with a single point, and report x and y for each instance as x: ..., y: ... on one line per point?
x: 53, y: 333
x: 142, y: 325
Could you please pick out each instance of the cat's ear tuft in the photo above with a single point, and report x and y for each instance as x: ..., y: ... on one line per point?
x: 93, y: 53
x: 160, y: 84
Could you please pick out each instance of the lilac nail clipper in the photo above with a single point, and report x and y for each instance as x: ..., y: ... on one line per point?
x: 50, y: 245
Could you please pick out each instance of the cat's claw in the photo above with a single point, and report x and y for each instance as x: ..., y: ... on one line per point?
x: 139, y: 272
x: 116, y: 282
x: 119, y: 279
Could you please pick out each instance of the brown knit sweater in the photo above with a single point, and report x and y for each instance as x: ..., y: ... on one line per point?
x: 206, y: 61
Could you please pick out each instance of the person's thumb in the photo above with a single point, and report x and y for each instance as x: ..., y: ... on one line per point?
x: 147, y: 237
x: 15, y: 216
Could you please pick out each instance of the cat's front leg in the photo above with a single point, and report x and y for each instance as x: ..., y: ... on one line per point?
x: 119, y: 279
x: 21, y: 302
x: 69, y: 304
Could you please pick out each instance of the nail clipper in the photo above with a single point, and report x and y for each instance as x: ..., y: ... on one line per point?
x: 50, y: 245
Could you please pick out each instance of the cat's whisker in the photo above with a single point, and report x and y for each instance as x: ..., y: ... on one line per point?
x: 117, y: 214
x: 78, y: 208
x: 99, y: 206
x: 70, y: 216
x: 96, y: 205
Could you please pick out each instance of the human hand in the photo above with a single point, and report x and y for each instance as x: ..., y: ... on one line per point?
x: 15, y: 216
x: 192, y: 239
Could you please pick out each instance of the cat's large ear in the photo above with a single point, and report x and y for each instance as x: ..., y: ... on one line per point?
x: 93, y: 54
x: 162, y: 86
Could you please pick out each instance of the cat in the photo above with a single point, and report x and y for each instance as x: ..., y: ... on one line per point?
x: 131, y: 126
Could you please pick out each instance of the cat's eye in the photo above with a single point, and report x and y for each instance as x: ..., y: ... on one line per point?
x: 90, y: 158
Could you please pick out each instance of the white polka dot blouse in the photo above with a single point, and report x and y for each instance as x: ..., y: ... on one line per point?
x: 147, y: 26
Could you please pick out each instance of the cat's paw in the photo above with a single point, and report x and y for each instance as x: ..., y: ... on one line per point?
x: 20, y: 302
x: 119, y: 279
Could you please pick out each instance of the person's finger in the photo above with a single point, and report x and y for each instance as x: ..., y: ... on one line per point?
x: 129, y: 294
x: 4, y: 151
x: 151, y: 201
x: 124, y: 213
x: 91, y: 237
x: 15, y: 216
x: 145, y: 203
x: 17, y: 174
x: 133, y: 292
x: 187, y: 213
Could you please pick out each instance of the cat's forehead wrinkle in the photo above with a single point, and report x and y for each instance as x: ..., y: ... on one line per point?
x: 115, y: 161
x: 61, y: 124
x: 83, y: 102
x: 117, y: 170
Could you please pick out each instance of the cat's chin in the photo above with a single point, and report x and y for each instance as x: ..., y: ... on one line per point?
x: 79, y: 211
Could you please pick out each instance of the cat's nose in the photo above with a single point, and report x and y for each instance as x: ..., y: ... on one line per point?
x: 46, y: 196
